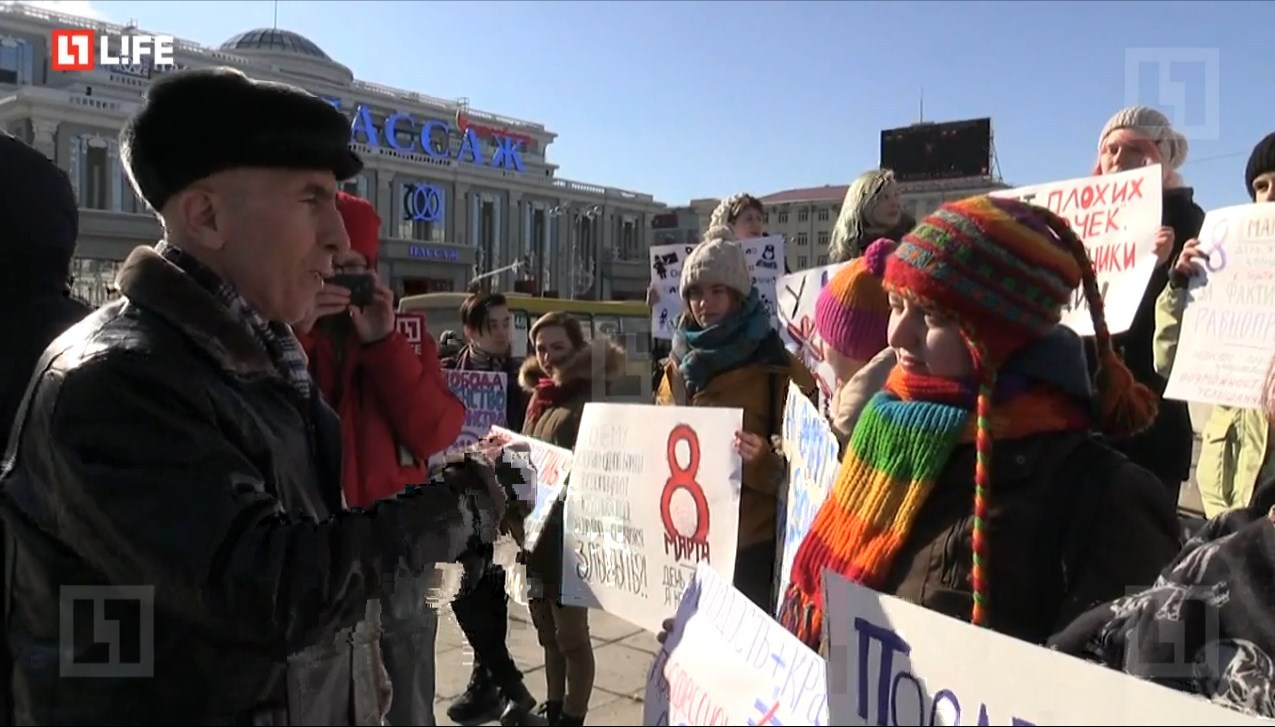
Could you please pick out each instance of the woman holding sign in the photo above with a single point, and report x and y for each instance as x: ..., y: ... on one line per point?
x: 560, y: 380
x: 972, y: 484
x: 726, y: 353
x: 1236, y: 443
x: 1136, y: 137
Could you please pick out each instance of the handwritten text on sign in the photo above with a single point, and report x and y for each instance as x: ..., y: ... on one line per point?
x: 1117, y: 217
x: 797, y: 294
x: 484, y: 394
x: 654, y: 490
x: 726, y: 662
x: 765, y: 256
x: 1227, y: 341
x: 812, y: 465
x: 891, y: 662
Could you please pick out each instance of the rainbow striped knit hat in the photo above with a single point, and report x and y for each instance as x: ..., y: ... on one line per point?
x: 1004, y: 270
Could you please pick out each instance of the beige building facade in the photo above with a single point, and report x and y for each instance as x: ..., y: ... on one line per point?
x: 461, y: 192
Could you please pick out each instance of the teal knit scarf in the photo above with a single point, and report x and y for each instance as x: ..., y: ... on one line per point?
x: 745, y: 337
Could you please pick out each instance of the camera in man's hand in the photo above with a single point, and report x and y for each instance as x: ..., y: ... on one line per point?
x: 360, y: 285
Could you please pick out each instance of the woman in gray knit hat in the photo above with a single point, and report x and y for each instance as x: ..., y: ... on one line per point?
x: 1136, y: 137
x: 726, y: 353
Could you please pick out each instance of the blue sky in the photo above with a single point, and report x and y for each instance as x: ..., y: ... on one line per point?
x: 699, y: 99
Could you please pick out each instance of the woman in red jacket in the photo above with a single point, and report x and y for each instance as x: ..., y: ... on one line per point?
x: 396, y: 410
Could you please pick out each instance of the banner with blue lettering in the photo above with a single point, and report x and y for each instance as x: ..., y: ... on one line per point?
x: 484, y: 394
x: 811, y: 450
x: 892, y: 662
x: 726, y: 662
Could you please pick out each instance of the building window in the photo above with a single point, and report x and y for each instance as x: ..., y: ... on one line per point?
x: 802, y: 239
x: 95, y: 167
x: 423, y: 208
x: 803, y: 214
x: 801, y: 262
x: 783, y: 218
x: 823, y: 260
x: 17, y: 61
x: 823, y: 214
x: 630, y: 246
x: 823, y: 238
x: 765, y: 218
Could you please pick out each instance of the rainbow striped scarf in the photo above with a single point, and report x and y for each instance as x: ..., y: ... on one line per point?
x: 900, y: 445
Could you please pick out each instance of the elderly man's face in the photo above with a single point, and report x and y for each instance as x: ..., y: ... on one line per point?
x: 277, y: 232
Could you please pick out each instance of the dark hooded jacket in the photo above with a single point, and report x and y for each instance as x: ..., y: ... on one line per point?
x: 39, y: 223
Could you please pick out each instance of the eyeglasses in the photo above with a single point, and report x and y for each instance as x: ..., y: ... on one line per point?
x: 351, y: 268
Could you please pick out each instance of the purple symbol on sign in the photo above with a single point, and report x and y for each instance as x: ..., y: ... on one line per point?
x: 1216, y: 260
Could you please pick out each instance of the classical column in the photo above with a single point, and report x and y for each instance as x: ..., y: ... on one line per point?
x: 46, y: 137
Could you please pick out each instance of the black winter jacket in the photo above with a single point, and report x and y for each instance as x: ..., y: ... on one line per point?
x: 167, y: 478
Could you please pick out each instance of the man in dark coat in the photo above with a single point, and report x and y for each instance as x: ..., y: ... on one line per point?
x: 177, y: 471
x: 39, y: 223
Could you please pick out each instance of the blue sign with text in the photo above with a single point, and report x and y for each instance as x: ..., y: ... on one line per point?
x: 403, y: 132
x: 429, y: 252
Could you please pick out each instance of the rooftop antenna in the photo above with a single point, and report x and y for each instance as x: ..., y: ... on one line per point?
x: 922, y: 119
x: 276, y: 15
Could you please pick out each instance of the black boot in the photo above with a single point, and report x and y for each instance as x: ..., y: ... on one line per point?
x: 570, y: 720
x: 551, y: 711
x: 480, y: 703
x: 521, y: 709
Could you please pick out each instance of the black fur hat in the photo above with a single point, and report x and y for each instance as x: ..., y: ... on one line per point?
x: 198, y: 122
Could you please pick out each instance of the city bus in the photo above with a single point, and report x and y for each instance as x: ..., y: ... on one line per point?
x: 626, y: 322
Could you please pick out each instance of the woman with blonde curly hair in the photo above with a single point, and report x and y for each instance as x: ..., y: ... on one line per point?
x: 872, y: 209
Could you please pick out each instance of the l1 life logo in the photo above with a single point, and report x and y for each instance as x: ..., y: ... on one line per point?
x: 73, y: 50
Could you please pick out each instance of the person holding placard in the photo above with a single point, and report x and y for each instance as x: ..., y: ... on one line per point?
x: 872, y: 209
x: 1135, y: 137
x: 1020, y: 536
x: 566, y: 373
x: 851, y: 318
x: 726, y: 353
x: 1236, y: 443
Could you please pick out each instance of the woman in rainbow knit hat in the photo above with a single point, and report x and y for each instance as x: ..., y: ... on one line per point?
x: 973, y: 483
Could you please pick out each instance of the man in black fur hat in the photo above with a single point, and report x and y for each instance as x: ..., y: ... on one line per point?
x: 176, y: 456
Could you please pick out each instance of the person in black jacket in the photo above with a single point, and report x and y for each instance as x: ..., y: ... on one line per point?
x: 1135, y: 137
x: 39, y: 224
x: 496, y: 684
x: 176, y: 469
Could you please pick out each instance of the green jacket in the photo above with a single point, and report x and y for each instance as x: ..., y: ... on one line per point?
x: 1234, y: 442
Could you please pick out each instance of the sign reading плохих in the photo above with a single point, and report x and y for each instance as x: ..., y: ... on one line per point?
x: 73, y: 50
x: 433, y: 138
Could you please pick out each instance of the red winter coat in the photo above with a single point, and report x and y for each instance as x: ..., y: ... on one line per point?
x: 392, y: 403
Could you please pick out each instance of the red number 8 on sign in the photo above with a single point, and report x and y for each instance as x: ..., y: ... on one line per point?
x: 684, y: 478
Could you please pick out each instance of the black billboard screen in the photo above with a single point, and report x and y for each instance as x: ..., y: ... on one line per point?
x: 938, y: 151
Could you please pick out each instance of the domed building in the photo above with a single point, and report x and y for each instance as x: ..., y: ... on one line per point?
x: 462, y: 192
